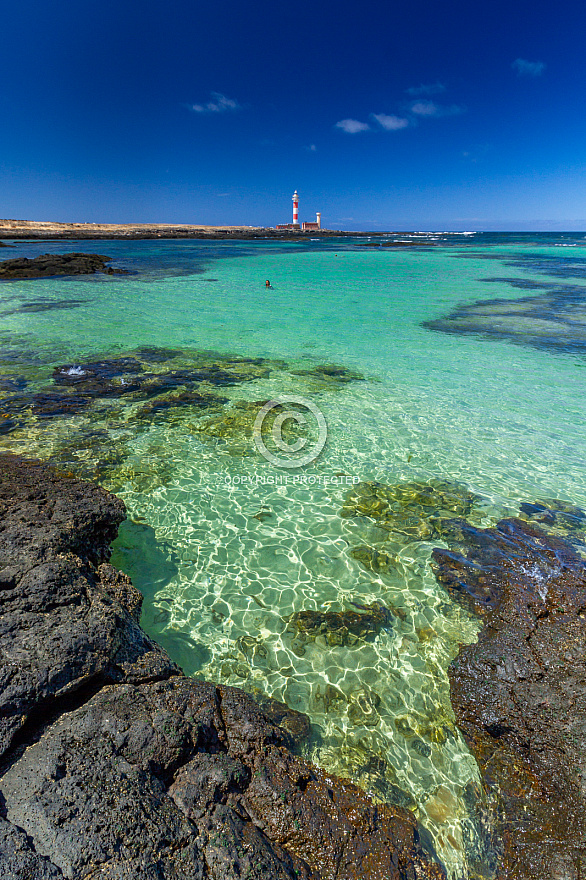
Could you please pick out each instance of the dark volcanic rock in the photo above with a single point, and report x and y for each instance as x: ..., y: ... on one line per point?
x: 49, y: 265
x: 114, y: 765
x: 80, y: 374
x: 18, y: 859
x: 62, y: 628
x: 296, y: 725
x: 50, y: 405
x: 519, y: 694
x: 552, y: 512
x: 115, y: 377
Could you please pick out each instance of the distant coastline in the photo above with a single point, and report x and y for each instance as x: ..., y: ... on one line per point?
x: 47, y: 230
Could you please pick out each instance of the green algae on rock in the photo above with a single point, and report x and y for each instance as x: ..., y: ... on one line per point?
x: 338, y: 627
x: 377, y: 560
x: 173, y: 402
x: 330, y: 374
x: 414, y: 510
x: 234, y: 428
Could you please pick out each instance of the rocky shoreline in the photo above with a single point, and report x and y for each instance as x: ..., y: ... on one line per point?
x: 49, y: 231
x: 519, y: 693
x: 114, y: 764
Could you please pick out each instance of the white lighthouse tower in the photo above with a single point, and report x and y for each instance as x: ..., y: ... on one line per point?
x: 295, y: 209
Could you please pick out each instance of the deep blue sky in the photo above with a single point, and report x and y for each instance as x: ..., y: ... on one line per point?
x: 194, y: 112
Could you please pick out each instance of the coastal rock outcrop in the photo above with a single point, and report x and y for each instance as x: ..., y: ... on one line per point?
x: 518, y: 693
x: 113, y: 764
x: 49, y: 265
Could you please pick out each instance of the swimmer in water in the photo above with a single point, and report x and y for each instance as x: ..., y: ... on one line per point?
x: 268, y: 285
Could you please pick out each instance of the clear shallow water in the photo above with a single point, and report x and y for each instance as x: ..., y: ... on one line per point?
x: 226, y: 550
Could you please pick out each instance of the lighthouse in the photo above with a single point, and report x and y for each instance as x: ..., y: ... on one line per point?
x: 296, y: 225
x: 295, y: 209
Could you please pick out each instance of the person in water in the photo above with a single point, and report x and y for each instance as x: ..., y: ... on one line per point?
x: 268, y: 285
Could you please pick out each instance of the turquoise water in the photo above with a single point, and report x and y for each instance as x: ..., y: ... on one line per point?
x: 227, y: 547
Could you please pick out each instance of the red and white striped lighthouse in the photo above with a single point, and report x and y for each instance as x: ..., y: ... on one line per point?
x: 295, y: 209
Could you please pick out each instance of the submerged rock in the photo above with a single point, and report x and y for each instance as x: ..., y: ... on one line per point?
x: 362, y: 707
x: 12, y: 383
x: 236, y: 423
x: 377, y: 560
x: 49, y: 265
x: 331, y: 374
x: 48, y: 405
x: 114, y: 764
x: 46, y: 306
x: 7, y: 424
x: 339, y: 627
x: 156, y: 354
x: 518, y: 694
x: 560, y: 515
x: 91, y: 454
x: 553, y: 321
x: 175, y: 401
x: 235, y: 428
x: 416, y: 511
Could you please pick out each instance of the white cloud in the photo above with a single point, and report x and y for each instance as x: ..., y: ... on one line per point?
x: 218, y: 104
x: 424, y: 108
x: 528, y: 68
x: 431, y: 89
x: 352, y: 126
x: 432, y: 110
x: 390, y: 123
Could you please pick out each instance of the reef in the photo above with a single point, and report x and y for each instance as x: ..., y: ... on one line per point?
x: 518, y: 693
x: 552, y: 321
x: 127, y: 391
x: 124, y: 393
x: 114, y: 764
x: 49, y: 265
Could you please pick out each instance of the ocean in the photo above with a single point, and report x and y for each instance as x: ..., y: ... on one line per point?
x: 442, y: 374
